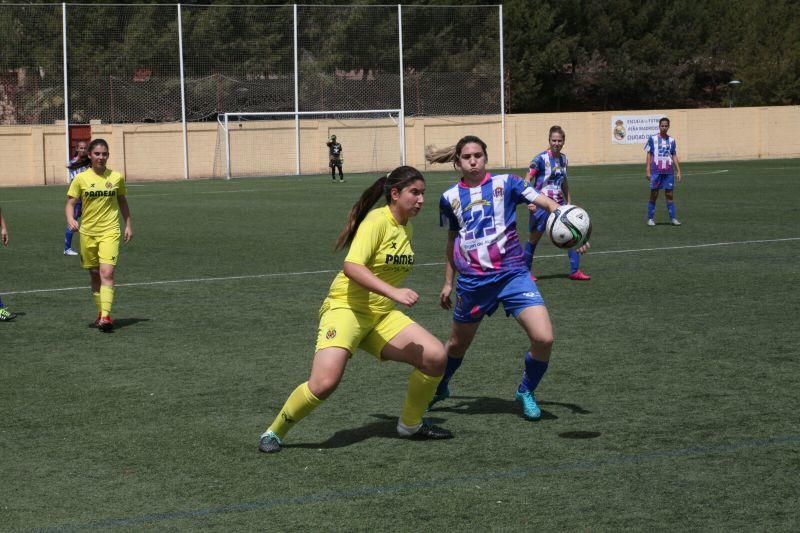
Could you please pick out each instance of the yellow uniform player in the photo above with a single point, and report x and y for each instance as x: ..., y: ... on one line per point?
x: 360, y: 312
x: 102, y: 193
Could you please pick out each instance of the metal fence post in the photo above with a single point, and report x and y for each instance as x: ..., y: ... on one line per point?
x: 183, y: 97
x: 66, y: 81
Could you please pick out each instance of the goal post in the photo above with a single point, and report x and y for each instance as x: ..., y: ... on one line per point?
x: 251, y: 144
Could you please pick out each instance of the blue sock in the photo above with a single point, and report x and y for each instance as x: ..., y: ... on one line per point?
x: 1, y: 303
x: 671, y: 209
x: 68, y: 238
x: 452, y: 365
x: 529, y: 249
x: 574, y: 261
x: 651, y: 210
x: 534, y: 371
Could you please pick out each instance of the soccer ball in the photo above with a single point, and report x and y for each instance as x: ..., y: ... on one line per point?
x: 569, y: 226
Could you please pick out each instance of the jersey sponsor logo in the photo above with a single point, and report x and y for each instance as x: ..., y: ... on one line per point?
x: 95, y: 194
x: 402, y: 259
x: 330, y: 334
x: 477, y: 203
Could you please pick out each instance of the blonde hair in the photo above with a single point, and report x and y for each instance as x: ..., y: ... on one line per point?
x: 452, y: 153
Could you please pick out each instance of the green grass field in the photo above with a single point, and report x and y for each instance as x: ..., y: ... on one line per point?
x: 671, y: 402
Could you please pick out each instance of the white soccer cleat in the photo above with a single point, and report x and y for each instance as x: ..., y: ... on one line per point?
x: 675, y: 222
x: 651, y: 222
x: 70, y: 251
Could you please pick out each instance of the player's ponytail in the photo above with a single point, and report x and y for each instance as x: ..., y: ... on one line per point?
x: 452, y: 153
x: 399, y: 179
x: 85, y: 161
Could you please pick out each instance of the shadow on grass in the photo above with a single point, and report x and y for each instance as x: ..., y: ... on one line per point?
x: 122, y: 323
x: 480, y: 405
x: 383, y: 428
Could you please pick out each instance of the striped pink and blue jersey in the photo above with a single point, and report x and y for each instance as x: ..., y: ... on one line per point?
x: 485, y: 217
x: 548, y: 173
x: 662, y: 149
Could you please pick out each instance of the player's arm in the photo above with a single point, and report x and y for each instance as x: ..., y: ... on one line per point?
x: 3, y: 229
x: 648, y: 160
x: 677, y: 167
x: 367, y: 279
x: 126, y: 216
x: 449, y: 271
x: 545, y: 203
x: 565, y: 189
x: 69, y: 211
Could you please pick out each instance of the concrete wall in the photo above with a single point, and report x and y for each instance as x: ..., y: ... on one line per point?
x: 34, y: 155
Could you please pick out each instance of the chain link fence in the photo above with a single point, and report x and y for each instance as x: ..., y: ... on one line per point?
x: 124, y: 61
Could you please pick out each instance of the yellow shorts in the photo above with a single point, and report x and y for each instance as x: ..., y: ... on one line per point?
x: 344, y: 328
x: 99, y: 249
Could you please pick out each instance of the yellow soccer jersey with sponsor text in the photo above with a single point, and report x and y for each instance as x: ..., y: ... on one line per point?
x: 99, y: 197
x: 383, y: 246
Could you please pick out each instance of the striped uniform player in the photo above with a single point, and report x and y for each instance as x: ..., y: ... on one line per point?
x: 76, y: 166
x: 483, y: 246
x: 662, y: 155
x: 548, y: 173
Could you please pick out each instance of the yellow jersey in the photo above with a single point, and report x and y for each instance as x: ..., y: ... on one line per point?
x: 99, y: 196
x: 384, y: 246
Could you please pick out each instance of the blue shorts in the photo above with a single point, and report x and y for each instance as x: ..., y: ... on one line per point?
x: 479, y: 296
x: 538, y: 220
x: 662, y: 181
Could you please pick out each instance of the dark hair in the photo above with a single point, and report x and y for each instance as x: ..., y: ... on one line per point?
x: 85, y: 161
x: 399, y: 179
x: 452, y: 153
x: 556, y: 129
x: 663, y: 119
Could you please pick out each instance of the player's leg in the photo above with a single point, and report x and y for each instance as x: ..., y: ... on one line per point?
x: 333, y: 172
x: 536, y: 226
x: 575, y: 272
x: 68, y: 234
x: 108, y: 252
x: 90, y: 260
x: 521, y: 299
x: 671, y: 207
x: 414, y: 345
x: 341, y: 174
x: 327, y: 370
x: 651, y: 204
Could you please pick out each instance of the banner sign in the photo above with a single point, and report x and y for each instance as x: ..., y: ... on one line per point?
x: 633, y: 129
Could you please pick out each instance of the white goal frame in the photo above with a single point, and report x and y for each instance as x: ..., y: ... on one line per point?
x: 225, y: 119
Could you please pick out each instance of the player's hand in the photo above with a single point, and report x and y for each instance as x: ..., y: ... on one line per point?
x: 444, y: 296
x: 73, y: 224
x: 583, y: 249
x: 4, y: 237
x: 532, y: 208
x: 405, y: 297
x: 647, y: 177
x: 680, y: 177
x: 128, y: 233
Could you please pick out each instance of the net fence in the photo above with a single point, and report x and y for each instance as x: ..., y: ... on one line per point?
x: 124, y: 63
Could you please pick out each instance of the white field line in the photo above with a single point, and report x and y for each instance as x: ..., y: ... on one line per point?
x: 314, y: 272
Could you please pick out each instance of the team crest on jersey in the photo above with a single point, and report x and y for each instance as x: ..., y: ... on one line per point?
x: 331, y: 333
x: 108, y: 185
x: 498, y: 192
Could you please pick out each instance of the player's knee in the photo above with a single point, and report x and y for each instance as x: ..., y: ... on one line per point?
x: 542, y: 342
x: 323, y: 386
x: 434, y: 360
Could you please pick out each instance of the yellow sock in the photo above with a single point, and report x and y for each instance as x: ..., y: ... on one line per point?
x: 106, y: 299
x: 421, y: 388
x: 299, y: 405
x: 96, y: 300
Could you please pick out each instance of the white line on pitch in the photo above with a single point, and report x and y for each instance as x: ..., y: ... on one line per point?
x: 312, y: 272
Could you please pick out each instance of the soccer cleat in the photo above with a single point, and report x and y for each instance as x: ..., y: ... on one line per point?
x: 425, y: 431
x: 579, y: 276
x: 105, y: 324
x: 70, y: 251
x: 440, y: 397
x: 530, y: 409
x: 270, y: 443
x: 6, y: 315
x: 96, y: 322
x: 651, y: 222
x: 675, y: 222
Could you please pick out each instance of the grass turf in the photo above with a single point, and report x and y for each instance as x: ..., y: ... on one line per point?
x: 671, y: 401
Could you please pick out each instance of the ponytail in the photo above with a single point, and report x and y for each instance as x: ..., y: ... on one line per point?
x: 399, y: 179
x: 452, y: 153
